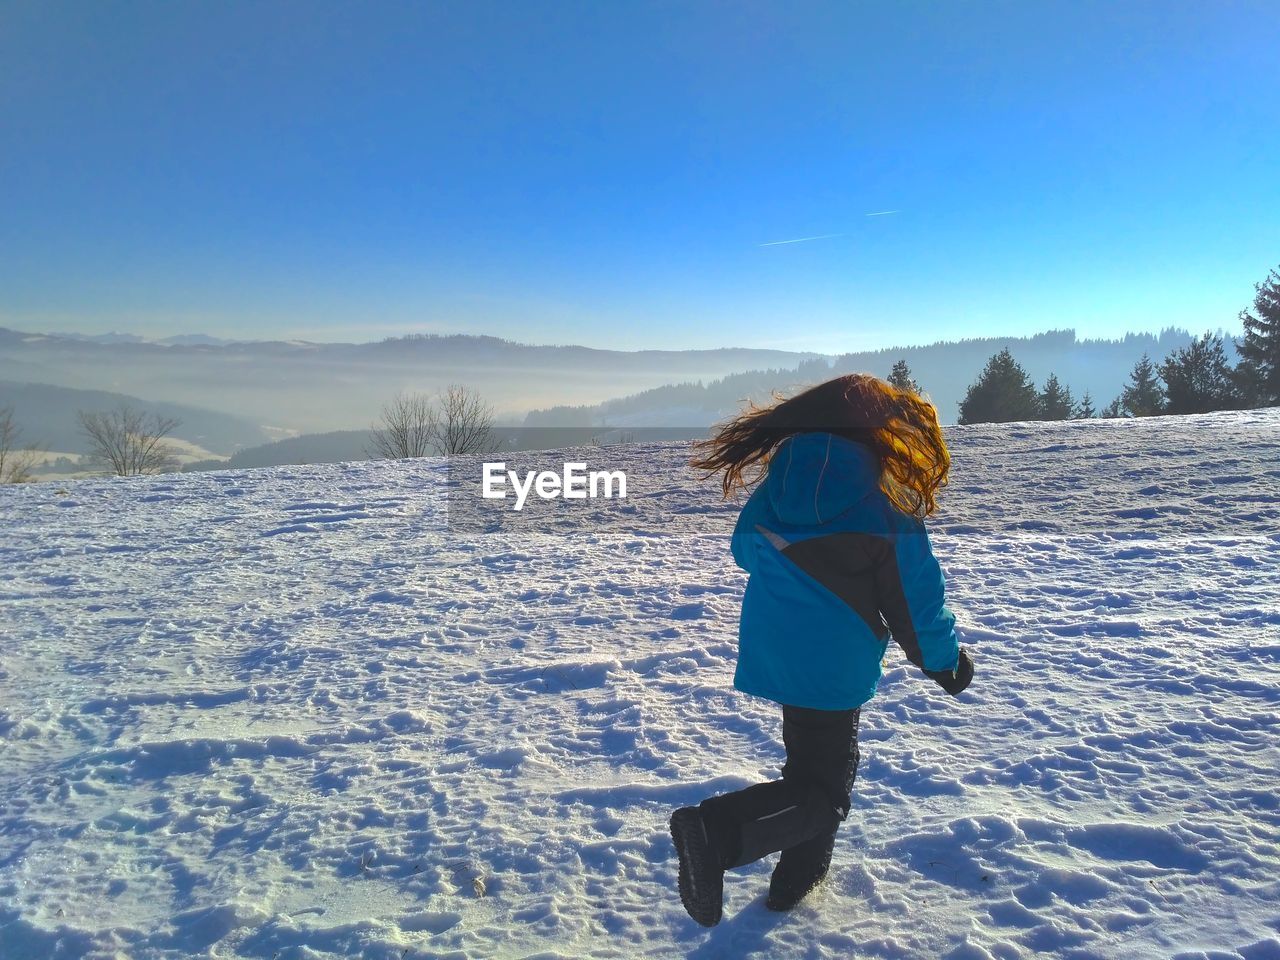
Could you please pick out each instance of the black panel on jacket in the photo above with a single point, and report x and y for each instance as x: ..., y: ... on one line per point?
x: 845, y: 563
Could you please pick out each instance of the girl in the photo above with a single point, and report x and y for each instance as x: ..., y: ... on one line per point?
x: 835, y: 545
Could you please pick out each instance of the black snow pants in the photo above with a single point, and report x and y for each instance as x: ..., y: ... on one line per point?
x: 800, y: 813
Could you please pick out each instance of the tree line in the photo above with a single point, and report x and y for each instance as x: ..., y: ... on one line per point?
x: 1197, y: 378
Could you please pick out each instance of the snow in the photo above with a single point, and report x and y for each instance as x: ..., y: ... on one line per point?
x: 292, y: 713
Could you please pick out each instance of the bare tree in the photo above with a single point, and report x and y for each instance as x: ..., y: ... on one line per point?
x: 464, y: 422
x: 16, y: 464
x: 129, y: 442
x: 408, y: 428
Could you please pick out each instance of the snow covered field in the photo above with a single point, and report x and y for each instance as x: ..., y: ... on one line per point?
x: 287, y: 713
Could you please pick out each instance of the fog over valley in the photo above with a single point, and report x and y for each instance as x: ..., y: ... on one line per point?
x: 237, y: 396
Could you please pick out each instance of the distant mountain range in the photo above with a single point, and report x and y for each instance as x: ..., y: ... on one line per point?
x: 944, y: 371
x: 180, y: 340
x: 47, y: 417
x: 319, y: 387
x: 234, y: 396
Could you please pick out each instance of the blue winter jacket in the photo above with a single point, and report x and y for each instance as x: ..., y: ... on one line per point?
x: 835, y: 569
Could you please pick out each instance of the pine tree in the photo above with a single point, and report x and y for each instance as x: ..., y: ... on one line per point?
x: 1002, y: 393
x: 1084, y: 410
x: 900, y: 377
x: 1198, y: 379
x: 1112, y: 410
x: 1056, y: 402
x: 1258, y: 375
x: 1143, y: 397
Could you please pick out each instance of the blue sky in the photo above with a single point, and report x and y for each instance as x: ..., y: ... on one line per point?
x: 617, y: 174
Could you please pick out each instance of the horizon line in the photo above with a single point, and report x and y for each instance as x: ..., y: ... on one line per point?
x: 140, y: 340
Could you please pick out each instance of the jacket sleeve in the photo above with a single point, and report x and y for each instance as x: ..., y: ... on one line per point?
x: 912, y: 597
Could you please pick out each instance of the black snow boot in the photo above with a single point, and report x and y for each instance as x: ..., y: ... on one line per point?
x: 800, y: 869
x: 701, y: 872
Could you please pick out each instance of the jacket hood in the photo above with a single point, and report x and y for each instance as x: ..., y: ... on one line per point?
x: 815, y: 477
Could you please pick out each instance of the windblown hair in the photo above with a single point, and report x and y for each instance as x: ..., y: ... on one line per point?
x: 900, y: 426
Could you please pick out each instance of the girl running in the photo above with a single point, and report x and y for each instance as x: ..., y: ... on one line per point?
x: 834, y: 542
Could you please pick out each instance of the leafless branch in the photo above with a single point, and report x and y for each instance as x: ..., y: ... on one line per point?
x: 464, y: 424
x: 408, y: 428
x: 16, y: 465
x: 129, y: 442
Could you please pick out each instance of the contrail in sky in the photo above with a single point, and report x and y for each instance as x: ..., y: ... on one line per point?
x: 825, y: 236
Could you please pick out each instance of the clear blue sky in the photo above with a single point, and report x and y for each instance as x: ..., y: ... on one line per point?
x: 609, y: 173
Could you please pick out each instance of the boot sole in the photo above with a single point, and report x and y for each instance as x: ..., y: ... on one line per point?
x: 701, y: 883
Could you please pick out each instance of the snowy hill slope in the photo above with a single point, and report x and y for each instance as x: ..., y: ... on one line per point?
x: 290, y: 713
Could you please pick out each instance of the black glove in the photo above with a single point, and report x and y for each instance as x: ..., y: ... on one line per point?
x: 953, y: 681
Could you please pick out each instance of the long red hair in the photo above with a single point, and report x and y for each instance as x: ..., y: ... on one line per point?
x: 899, y: 425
